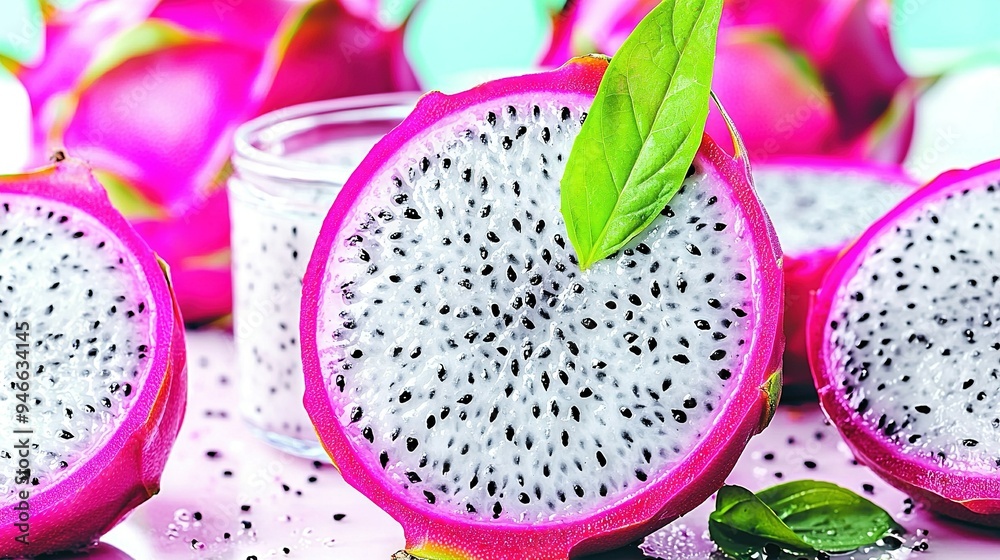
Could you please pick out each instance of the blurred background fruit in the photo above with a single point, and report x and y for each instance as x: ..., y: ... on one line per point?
x: 150, y: 91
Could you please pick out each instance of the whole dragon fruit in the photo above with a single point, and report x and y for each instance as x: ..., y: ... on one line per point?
x: 903, y: 345
x: 156, y: 113
x: 95, y: 363
x: 774, y: 96
x: 497, y: 401
x: 827, y: 83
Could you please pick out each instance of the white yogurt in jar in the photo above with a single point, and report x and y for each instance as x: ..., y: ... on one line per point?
x: 288, y: 169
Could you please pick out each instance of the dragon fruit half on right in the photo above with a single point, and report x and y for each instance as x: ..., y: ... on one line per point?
x: 818, y: 205
x: 499, y: 402
x: 903, y: 342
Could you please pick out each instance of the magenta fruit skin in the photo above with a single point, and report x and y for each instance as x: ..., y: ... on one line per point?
x: 969, y: 496
x: 435, y: 535
x: 78, y: 509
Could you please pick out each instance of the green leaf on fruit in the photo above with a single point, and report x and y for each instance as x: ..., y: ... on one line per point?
x: 643, y: 130
x: 805, y: 516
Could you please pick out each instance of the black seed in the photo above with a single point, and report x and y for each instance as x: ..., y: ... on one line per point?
x: 679, y: 415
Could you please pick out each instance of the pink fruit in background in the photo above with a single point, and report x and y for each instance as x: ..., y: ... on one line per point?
x: 823, y: 68
x: 856, y: 60
x: 466, y: 376
x: 70, y: 36
x: 903, y: 345
x: 775, y: 98
x: 155, y: 116
x: 795, y: 21
x: 847, y: 40
x: 249, y: 23
x: 818, y: 205
x: 140, y: 120
x: 164, y: 149
x: 331, y: 53
x: 888, y: 140
x: 196, y: 243
x: 106, y: 373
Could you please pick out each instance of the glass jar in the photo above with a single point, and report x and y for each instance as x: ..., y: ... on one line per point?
x: 289, y: 166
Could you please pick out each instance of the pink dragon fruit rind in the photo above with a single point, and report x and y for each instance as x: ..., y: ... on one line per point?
x: 804, y: 272
x: 963, y: 494
x: 441, y: 536
x: 75, y: 511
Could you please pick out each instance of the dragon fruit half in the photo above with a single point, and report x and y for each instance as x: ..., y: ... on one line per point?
x: 499, y: 402
x: 95, y: 361
x: 819, y: 204
x: 903, y: 345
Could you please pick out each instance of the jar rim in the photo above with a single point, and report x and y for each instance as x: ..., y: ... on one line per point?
x: 276, y: 126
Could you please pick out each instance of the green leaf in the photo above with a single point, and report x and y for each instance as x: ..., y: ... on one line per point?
x: 828, y: 517
x: 742, y: 524
x: 805, y: 516
x: 643, y: 130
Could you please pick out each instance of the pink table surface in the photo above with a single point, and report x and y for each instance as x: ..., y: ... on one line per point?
x: 227, y: 495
